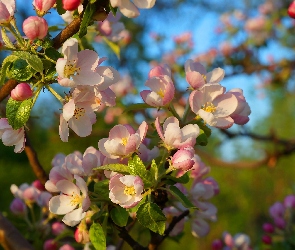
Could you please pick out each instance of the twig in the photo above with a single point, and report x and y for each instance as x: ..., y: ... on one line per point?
x: 34, y: 162
x: 10, y: 237
x: 123, y: 233
x: 157, y: 239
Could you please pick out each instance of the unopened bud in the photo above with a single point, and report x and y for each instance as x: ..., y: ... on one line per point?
x: 21, y: 92
x: 291, y: 10
x: 57, y: 228
x: 42, y: 6
x: 50, y: 245
x: 18, y: 207
x: 70, y: 4
x: 35, y: 27
x: 268, y: 228
x: 266, y: 239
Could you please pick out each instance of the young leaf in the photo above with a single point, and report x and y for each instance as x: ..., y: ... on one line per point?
x: 87, y: 19
x: 180, y: 196
x: 5, y: 65
x: 33, y: 60
x: 183, y: 179
x: 137, y: 106
x: 121, y: 168
x: 137, y: 168
x: 151, y: 216
x: 119, y: 216
x: 97, y: 236
x: 20, y: 70
x: 101, y: 188
x: 18, y: 112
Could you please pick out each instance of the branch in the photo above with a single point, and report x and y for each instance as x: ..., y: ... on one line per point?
x: 34, y: 162
x: 123, y: 233
x: 157, y: 239
x: 10, y: 237
x: 6, y: 89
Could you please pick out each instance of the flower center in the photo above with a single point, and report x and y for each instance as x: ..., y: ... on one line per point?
x: 76, y: 199
x: 78, y: 113
x: 205, y: 77
x: 209, y: 107
x: 124, y: 141
x: 129, y: 190
x: 71, y: 69
x: 160, y: 93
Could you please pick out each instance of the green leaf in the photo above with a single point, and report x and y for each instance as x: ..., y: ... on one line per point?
x: 20, y: 70
x: 154, y: 170
x: 180, y: 196
x: 59, y: 8
x: 113, y: 46
x: 120, y: 168
x: 183, y: 179
x: 5, y: 65
x: 53, y: 54
x: 33, y: 60
x: 137, y: 168
x: 136, y: 107
x: 92, y: 1
x: 97, y: 236
x: 87, y: 19
x: 18, y: 112
x: 101, y: 188
x: 151, y: 216
x: 119, y: 216
x: 202, y: 138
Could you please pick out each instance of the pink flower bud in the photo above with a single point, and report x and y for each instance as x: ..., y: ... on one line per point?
x: 18, y: 207
x: 289, y: 201
x: 37, y: 184
x: 266, y: 239
x: 280, y: 223
x: 50, y: 245
x: 35, y: 27
x: 291, y: 10
x: 183, y: 159
x: 277, y: 210
x: 82, y: 236
x: 42, y: 6
x: 268, y: 228
x: 217, y: 244
x: 57, y: 228
x: 160, y: 70
x: 21, y: 92
x: 70, y: 4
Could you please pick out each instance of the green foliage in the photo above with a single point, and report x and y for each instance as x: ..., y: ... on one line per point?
x: 137, y: 168
x: 113, y: 46
x: 97, y: 236
x: 102, y: 191
x: 33, y: 60
x: 120, y: 168
x: 137, y: 107
x: 151, y: 216
x: 5, y: 65
x: 18, y: 112
x: 87, y: 19
x: 20, y: 70
x: 180, y: 196
x: 119, y: 216
x: 59, y: 8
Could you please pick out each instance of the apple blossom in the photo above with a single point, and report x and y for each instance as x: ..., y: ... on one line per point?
x: 161, y: 93
x: 160, y: 70
x: 183, y: 160
x: 266, y: 239
x: 11, y: 137
x: 21, y: 92
x: 73, y: 201
x: 170, y: 212
x: 241, y: 114
x: 175, y: 137
x: 217, y: 244
x: 268, y: 228
x: 42, y: 6
x: 50, y: 244
x: 126, y: 190
x: 122, y: 141
x: 213, y: 105
x: 197, y: 76
x: 130, y: 9
x: 57, y: 228
x: 77, y: 68
x: 7, y: 9
x: 277, y: 210
x: 35, y: 27
x: 289, y: 201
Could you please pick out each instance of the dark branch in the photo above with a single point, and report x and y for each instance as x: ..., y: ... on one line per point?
x: 123, y: 233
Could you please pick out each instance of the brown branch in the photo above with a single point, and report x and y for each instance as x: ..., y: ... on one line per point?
x: 123, y: 233
x: 11, y: 238
x: 34, y: 162
x: 157, y: 239
x: 6, y: 89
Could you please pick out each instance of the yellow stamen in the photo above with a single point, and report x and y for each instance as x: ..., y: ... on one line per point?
x: 124, y: 141
x: 76, y: 199
x: 209, y: 107
x: 78, y: 113
x: 160, y: 93
x: 71, y: 69
x: 129, y: 190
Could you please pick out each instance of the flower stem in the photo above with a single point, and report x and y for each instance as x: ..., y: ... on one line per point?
x: 57, y: 96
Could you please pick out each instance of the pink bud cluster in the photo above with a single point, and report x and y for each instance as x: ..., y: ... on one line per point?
x: 239, y: 241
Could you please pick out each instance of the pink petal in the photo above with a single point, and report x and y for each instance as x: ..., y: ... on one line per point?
x: 216, y: 75
x: 67, y: 187
x: 87, y: 59
x: 119, y: 132
x: 195, y: 79
x: 128, y: 9
x: 224, y: 122
x: 61, y: 204
x: 87, y: 78
x: 81, y: 126
x: 63, y: 129
x: 225, y: 105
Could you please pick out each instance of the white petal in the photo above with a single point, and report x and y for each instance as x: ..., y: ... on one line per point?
x: 61, y: 204
x: 73, y: 218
